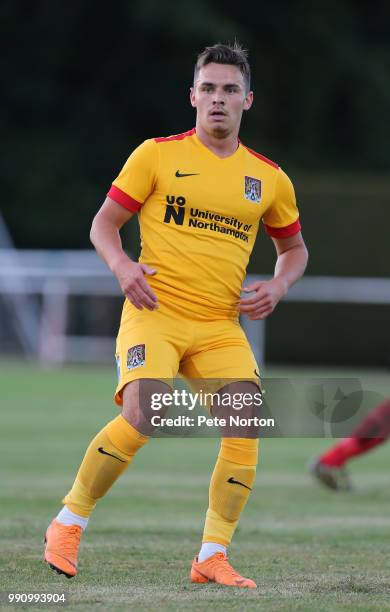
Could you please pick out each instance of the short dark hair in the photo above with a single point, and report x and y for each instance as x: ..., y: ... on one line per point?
x: 234, y: 55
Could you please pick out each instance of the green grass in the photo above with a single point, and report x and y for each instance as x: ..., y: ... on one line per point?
x: 307, y: 549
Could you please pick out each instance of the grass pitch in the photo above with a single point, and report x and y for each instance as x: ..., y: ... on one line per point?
x: 307, y: 548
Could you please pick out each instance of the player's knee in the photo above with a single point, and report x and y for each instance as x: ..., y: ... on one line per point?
x: 140, y: 405
x: 242, y: 412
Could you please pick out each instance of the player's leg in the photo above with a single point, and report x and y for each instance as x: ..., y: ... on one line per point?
x: 141, y: 347
x: 230, y: 487
x: 229, y: 356
x: 329, y: 468
x: 107, y: 457
x: 113, y: 448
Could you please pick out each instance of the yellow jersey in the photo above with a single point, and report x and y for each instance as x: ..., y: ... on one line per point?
x: 199, y: 215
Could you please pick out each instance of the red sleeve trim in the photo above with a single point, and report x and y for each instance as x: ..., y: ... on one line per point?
x: 176, y: 136
x: 123, y: 199
x: 283, y: 232
x: 262, y: 157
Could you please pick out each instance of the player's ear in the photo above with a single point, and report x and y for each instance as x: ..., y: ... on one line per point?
x: 192, y: 97
x: 248, y: 100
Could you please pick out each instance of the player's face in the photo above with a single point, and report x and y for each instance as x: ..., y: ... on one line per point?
x: 220, y: 98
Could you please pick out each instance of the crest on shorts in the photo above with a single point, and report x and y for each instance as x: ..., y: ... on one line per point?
x: 252, y: 190
x: 136, y: 356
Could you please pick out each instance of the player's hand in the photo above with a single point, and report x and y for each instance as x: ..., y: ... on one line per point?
x: 266, y: 294
x: 131, y: 278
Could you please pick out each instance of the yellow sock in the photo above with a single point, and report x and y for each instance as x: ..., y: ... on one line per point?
x: 230, y: 486
x: 108, y: 455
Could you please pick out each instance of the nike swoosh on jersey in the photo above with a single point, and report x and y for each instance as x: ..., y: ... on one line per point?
x: 180, y: 174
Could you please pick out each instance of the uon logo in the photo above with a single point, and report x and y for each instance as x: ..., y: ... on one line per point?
x: 173, y: 212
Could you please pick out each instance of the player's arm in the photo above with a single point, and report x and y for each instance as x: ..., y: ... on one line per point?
x: 282, y: 223
x: 290, y: 265
x: 107, y: 241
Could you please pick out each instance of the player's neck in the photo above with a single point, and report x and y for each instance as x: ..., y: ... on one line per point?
x: 222, y: 147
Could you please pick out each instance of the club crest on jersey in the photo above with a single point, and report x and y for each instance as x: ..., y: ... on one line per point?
x: 136, y: 356
x: 252, y: 189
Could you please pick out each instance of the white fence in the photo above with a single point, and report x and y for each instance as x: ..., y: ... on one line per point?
x: 57, y: 275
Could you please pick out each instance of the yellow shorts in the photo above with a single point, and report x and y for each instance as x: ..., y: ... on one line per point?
x: 163, y: 343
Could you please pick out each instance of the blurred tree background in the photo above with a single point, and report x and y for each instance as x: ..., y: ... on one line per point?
x: 85, y: 82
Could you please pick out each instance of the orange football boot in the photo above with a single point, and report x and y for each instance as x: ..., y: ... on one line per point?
x: 61, y: 547
x: 218, y: 569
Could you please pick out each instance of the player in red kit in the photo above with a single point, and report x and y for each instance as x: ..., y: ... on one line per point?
x: 329, y: 468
